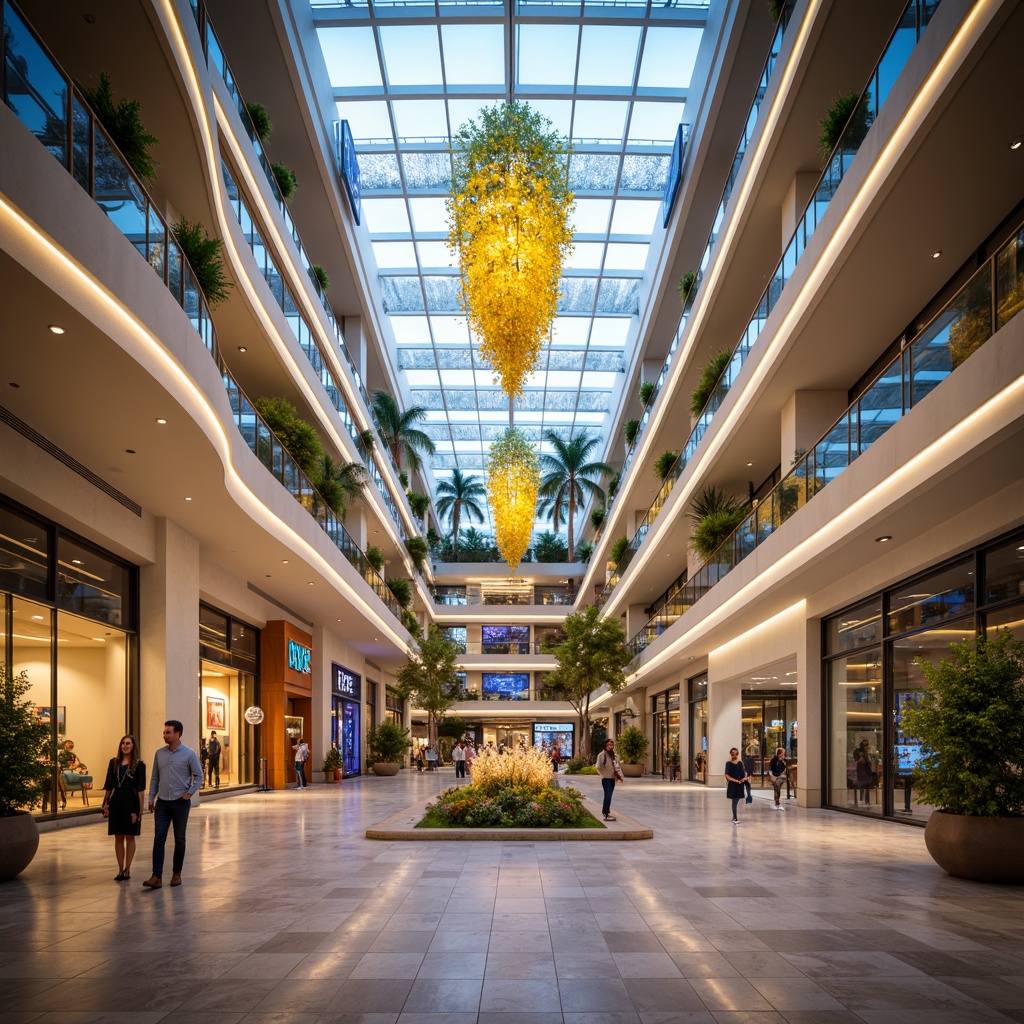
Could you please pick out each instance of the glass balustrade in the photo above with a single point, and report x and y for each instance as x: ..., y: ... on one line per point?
x: 986, y: 303
x: 909, y: 28
x: 264, y: 444
x: 45, y: 100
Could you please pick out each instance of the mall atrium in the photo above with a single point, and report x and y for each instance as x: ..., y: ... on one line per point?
x: 163, y: 556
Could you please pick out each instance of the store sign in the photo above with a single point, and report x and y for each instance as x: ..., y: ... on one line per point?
x: 552, y: 727
x: 299, y: 657
x: 350, y: 171
x: 254, y: 715
x: 346, y: 683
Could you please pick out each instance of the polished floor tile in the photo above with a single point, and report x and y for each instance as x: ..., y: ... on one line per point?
x: 288, y: 915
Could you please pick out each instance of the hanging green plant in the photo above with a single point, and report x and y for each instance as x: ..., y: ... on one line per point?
x: 261, y: 122
x: 775, y: 9
x: 630, y: 429
x: 646, y: 392
x: 401, y: 590
x: 583, y: 551
x: 709, y: 378
x: 418, y: 551
x: 715, y: 515
x: 286, y: 181
x: 686, y: 283
x: 206, y: 259
x: 613, y: 485
x: 368, y: 439
x: 847, y: 120
x: 319, y: 276
x: 618, y: 549
x: 664, y: 463
x: 411, y: 623
x: 597, y: 517
x: 124, y: 125
x: 300, y: 440
x: 419, y: 503
x: 376, y: 558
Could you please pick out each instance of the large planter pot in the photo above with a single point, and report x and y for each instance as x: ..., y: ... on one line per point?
x: 385, y: 768
x: 19, y: 840
x: 632, y: 771
x: 979, y: 849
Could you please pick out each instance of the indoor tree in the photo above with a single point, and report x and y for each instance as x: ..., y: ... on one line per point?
x: 567, y: 477
x: 429, y: 678
x: 458, y: 496
x: 399, y: 432
x: 593, y: 654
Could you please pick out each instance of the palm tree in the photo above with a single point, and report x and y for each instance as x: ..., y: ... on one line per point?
x: 398, y: 430
x: 567, y: 479
x: 461, y: 494
x: 338, y: 484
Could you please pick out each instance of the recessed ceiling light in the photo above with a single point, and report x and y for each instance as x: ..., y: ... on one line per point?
x: 242, y: 348
x: 936, y: 254
x: 1016, y: 143
x: 749, y: 463
x: 310, y: 583
x: 188, y: 499
x: 284, y: 561
x: 76, y: 561
x: 882, y: 540
x: 38, y: 618
x: 161, y: 420
x: 55, y: 329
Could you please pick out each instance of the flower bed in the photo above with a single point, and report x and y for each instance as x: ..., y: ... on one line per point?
x: 509, y: 807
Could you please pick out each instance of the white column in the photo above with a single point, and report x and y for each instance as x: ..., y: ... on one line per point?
x: 808, y: 716
x: 805, y: 418
x: 795, y: 200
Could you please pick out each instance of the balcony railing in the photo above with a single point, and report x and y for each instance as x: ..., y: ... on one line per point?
x: 45, y: 100
x: 985, y: 304
x: 264, y: 444
x: 511, y: 648
x: 909, y: 29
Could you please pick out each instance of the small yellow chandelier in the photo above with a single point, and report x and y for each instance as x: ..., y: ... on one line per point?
x: 513, y: 477
x: 509, y: 227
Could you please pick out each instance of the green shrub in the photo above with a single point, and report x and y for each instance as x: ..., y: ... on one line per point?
x: 633, y: 744
x: 663, y: 464
x: 577, y: 766
x: 124, y: 126
x: 388, y: 742
x: 630, y: 429
x: 260, y: 121
x: 401, y: 589
x: 419, y: 503
x: 319, y: 276
x: 613, y: 485
x: 849, y: 112
x: 709, y: 378
x: 597, y: 517
x: 376, y: 558
x: 686, y: 283
x: 549, y: 547
x: 286, y: 182
x: 646, y: 391
x: 418, y: 551
x: 512, y: 807
x: 583, y: 551
x: 618, y: 549
x: 26, y: 751
x: 332, y: 760
x: 206, y: 259
x: 411, y: 623
x: 300, y: 440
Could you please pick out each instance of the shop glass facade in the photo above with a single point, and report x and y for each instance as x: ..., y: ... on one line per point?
x: 871, y: 671
x: 698, y: 701
x: 228, y: 684
x: 346, y: 718
x: 769, y: 721
x: 69, y: 618
x: 665, y: 709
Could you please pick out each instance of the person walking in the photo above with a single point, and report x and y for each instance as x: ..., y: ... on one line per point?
x: 735, y: 777
x: 459, y: 758
x: 177, y: 774
x: 556, y: 757
x: 777, y: 768
x: 470, y: 754
x: 610, y: 771
x: 213, y: 752
x: 431, y: 758
x: 122, y: 803
x: 301, y: 757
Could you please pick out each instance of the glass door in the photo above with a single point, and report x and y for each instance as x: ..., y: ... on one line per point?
x: 699, y: 741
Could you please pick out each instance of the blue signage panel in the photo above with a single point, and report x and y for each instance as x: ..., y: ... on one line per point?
x: 298, y: 657
x: 346, y: 683
x: 350, y: 171
x: 675, y: 174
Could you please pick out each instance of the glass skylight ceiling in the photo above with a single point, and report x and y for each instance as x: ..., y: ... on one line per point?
x: 612, y: 77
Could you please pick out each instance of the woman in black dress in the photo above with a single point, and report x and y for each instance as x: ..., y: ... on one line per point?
x: 735, y: 777
x: 122, y: 802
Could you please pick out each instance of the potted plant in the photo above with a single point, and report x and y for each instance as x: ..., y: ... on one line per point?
x: 205, y: 257
x: 846, y: 120
x: 332, y: 765
x: 664, y: 462
x: 632, y: 744
x: 709, y: 378
x: 319, y: 277
x: 401, y: 590
x: 375, y: 557
x: 261, y: 123
x: 715, y: 515
x: 286, y: 181
x: 122, y: 122
x: 26, y: 765
x: 646, y: 392
x: 417, y: 548
x: 970, y: 724
x: 630, y: 429
x: 597, y: 517
x: 618, y: 549
x: 388, y: 744
x: 686, y: 283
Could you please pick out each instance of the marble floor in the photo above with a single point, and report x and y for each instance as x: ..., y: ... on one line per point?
x: 287, y: 914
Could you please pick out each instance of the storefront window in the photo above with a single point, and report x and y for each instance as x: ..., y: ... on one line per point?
x: 698, y: 701
x: 24, y: 555
x: 856, y: 628
x: 665, y: 709
x: 1004, y: 572
x: 92, y: 584
x: 346, y: 710
x: 394, y: 707
x: 856, y: 742
x: 505, y: 639
x: 1011, y: 618
x: 944, y: 595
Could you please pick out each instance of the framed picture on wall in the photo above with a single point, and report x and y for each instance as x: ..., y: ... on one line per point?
x: 214, y: 713
x: 45, y: 717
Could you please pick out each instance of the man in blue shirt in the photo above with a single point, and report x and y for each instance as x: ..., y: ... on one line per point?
x: 176, y: 775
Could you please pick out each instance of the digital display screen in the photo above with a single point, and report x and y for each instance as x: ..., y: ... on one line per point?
x: 908, y: 756
x: 506, y: 684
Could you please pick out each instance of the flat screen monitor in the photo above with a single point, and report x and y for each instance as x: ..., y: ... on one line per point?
x: 509, y: 685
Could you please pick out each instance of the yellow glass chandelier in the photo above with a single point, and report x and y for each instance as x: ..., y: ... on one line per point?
x: 513, y: 477
x: 509, y: 227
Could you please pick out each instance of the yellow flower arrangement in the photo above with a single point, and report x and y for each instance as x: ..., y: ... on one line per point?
x: 509, y: 227
x: 513, y: 477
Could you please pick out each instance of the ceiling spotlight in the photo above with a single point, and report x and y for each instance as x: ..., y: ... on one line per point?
x: 188, y: 499
x: 76, y: 561
x: 242, y: 348
x: 936, y: 254
x: 310, y: 583
x: 1016, y: 143
x: 284, y: 561
x: 884, y: 539
x: 749, y: 463
x: 161, y: 421
x: 55, y: 329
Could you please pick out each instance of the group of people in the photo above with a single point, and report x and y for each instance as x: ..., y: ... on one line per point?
x: 177, y: 774
x: 737, y: 779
